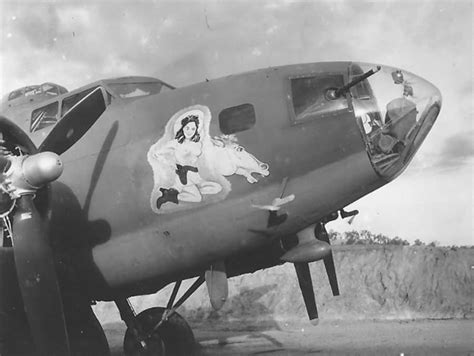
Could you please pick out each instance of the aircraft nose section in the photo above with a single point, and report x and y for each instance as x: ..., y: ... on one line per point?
x: 395, y: 110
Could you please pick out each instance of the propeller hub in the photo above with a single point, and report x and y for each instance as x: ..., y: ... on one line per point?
x: 42, y: 168
x: 29, y: 173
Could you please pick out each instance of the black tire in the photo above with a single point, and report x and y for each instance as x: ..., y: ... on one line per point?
x: 173, y: 338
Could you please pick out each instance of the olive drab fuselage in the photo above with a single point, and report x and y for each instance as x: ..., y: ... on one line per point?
x: 136, y: 209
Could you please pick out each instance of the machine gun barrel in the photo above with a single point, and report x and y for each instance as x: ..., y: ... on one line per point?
x: 337, y: 93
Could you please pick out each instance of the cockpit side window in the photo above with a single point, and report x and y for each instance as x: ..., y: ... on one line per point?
x: 135, y: 90
x: 15, y: 94
x: 44, y: 116
x: 237, y: 118
x: 32, y: 90
x: 35, y: 93
x: 49, y: 89
x: 309, y: 96
x: 72, y: 100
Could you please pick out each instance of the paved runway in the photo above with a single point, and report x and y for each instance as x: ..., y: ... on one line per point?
x: 431, y: 337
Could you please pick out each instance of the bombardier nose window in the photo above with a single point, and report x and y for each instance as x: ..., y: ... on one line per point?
x: 393, y: 108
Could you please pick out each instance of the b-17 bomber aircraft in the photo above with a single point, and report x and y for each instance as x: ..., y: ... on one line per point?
x: 127, y: 185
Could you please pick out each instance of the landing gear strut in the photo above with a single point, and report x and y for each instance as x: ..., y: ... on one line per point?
x: 159, y: 331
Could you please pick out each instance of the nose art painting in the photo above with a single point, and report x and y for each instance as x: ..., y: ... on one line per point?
x: 190, y: 167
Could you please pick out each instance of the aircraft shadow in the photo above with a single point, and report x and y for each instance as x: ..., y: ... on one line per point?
x: 243, y: 314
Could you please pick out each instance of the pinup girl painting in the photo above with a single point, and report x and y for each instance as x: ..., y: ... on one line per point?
x: 178, y: 162
x: 190, y: 167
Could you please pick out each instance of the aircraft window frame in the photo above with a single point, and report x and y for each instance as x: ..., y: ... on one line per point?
x: 329, y: 112
x: 74, y: 98
x: 62, y: 90
x: 237, y: 118
x: 50, y: 89
x: 47, y: 118
x: 32, y: 90
x: 15, y: 94
x: 141, y: 89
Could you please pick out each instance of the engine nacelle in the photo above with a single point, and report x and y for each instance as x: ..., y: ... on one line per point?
x: 309, y: 248
x: 307, y: 252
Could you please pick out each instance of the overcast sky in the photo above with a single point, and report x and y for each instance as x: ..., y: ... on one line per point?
x: 183, y: 42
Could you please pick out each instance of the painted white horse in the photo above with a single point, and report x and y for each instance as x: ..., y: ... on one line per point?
x: 229, y: 158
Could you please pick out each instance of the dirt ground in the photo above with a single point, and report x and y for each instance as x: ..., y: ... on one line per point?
x: 427, y: 337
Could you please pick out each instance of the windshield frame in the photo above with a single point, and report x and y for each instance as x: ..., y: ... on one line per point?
x: 113, y: 85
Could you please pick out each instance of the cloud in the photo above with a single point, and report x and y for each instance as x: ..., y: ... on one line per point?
x: 149, y: 36
x: 74, y: 43
x: 456, y: 151
x: 453, y: 153
x: 35, y: 27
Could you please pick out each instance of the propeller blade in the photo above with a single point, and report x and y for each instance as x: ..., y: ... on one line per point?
x: 331, y: 271
x: 323, y: 235
x: 306, y: 286
x: 75, y: 123
x: 37, y: 280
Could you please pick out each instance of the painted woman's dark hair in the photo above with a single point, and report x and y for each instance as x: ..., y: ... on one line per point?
x: 180, y: 134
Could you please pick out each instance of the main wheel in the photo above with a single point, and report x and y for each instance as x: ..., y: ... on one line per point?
x: 173, y: 338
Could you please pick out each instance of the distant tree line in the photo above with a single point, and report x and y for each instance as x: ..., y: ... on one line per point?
x: 365, y: 237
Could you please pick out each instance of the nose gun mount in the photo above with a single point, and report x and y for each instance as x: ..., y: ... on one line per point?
x: 336, y: 93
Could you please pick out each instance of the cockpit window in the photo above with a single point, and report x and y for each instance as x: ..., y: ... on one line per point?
x: 36, y: 89
x: 49, y: 89
x: 44, y: 117
x: 70, y: 101
x: 44, y: 90
x: 25, y: 91
x: 309, y: 100
x: 134, y: 90
x: 15, y: 94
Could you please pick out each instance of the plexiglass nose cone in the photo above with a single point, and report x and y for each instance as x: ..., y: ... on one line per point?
x: 395, y: 110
